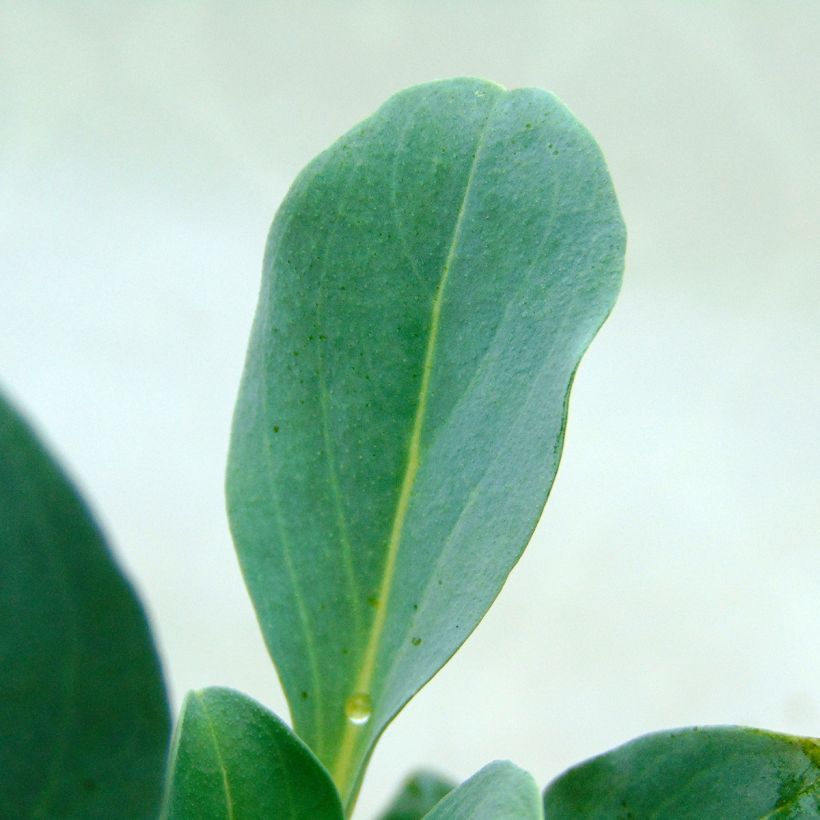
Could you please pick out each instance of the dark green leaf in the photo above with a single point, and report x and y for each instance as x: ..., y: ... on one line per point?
x: 84, y: 722
x: 430, y: 284
x: 694, y: 774
x: 234, y: 760
x: 500, y: 791
x: 418, y: 794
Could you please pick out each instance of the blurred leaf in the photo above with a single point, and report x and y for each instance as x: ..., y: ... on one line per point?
x: 84, y: 722
x: 418, y: 794
x: 233, y: 759
x: 500, y: 791
x: 694, y: 774
x: 430, y: 284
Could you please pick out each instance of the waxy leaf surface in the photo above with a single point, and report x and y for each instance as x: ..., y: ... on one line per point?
x: 417, y: 795
x: 694, y: 774
x: 84, y: 723
x: 232, y: 759
x: 430, y: 284
x: 500, y: 791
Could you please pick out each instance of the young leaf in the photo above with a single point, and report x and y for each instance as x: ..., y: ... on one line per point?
x: 430, y: 284
x: 84, y: 721
x: 695, y: 774
x: 418, y: 794
x: 234, y: 760
x: 500, y: 791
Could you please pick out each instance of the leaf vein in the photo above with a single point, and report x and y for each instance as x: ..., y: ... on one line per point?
x: 324, y: 398
x: 394, y: 194
x: 343, y: 762
x: 226, y: 786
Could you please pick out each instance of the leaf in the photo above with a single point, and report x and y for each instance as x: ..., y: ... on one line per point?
x: 234, y: 760
x: 418, y: 794
x: 430, y: 284
x: 695, y: 774
x: 500, y: 791
x: 84, y: 722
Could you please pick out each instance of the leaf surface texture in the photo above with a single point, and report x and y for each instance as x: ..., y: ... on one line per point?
x: 500, y: 791
x: 232, y: 759
x: 695, y: 774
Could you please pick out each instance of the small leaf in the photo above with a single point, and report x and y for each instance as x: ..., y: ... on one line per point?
x: 418, y: 794
x: 232, y: 759
x: 500, y: 791
x: 430, y: 284
x: 84, y: 721
x: 694, y: 774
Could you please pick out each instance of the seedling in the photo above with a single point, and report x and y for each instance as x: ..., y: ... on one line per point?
x: 430, y: 284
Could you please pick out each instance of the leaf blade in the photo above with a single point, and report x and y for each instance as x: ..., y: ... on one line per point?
x: 84, y: 723
x: 430, y: 284
x: 233, y: 759
x: 707, y: 773
x: 499, y: 791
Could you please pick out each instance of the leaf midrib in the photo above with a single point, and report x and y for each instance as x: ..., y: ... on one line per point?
x: 341, y: 769
x: 220, y: 761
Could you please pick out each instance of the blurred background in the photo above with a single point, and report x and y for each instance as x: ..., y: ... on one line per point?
x: 673, y: 580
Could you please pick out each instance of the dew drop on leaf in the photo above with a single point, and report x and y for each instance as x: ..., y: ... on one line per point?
x: 358, y: 708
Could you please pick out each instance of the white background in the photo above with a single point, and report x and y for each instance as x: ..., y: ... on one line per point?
x: 144, y: 148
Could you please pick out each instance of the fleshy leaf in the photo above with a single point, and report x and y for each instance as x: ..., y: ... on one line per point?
x: 84, y: 723
x: 232, y: 759
x: 430, y: 284
x: 694, y: 774
x: 417, y: 795
x: 500, y: 791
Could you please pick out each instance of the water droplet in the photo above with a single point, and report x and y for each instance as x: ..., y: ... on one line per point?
x: 358, y: 708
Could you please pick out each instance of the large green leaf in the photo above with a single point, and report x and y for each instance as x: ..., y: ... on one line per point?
x: 430, y: 284
x: 694, y: 774
x: 84, y: 722
x: 417, y: 795
x: 500, y: 791
x: 234, y: 760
